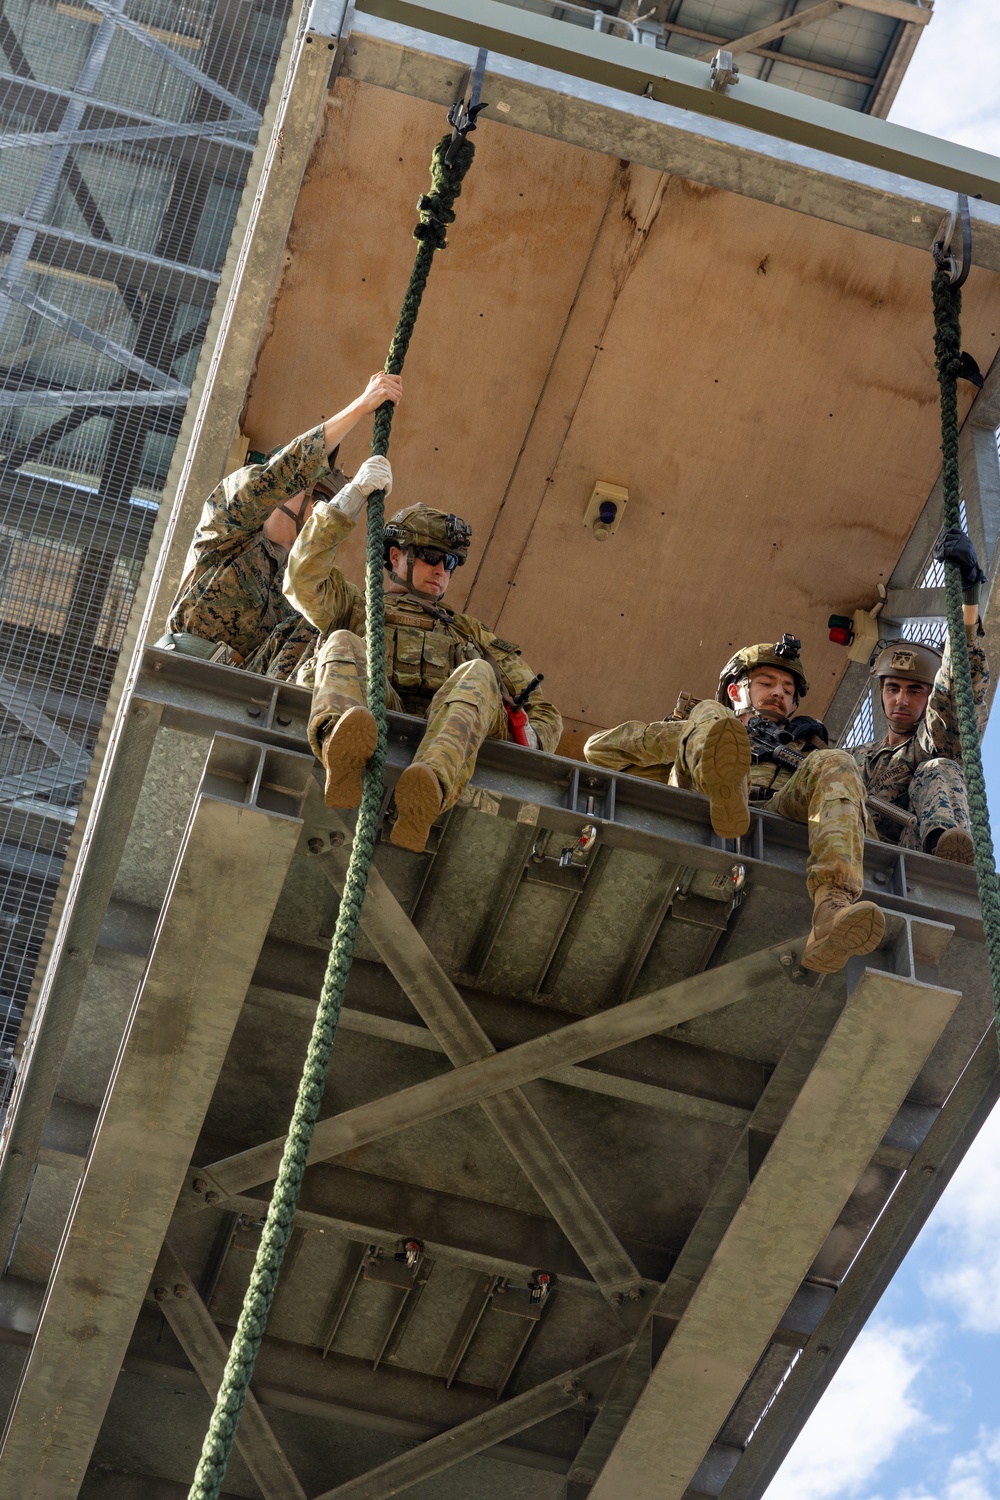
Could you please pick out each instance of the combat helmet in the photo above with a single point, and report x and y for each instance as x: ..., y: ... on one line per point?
x: 785, y: 655
x: 910, y: 660
x: 422, y: 526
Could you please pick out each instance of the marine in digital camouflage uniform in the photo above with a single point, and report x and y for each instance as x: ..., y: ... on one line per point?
x: 231, y: 597
x: 443, y: 666
x: 706, y: 747
x: 918, y: 763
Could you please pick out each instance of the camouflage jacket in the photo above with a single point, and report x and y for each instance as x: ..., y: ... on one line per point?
x: 421, y: 651
x: 232, y: 585
x: 888, y: 769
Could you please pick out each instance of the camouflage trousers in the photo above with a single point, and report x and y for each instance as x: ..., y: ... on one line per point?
x: 465, y: 711
x: 938, y: 798
x: 826, y: 792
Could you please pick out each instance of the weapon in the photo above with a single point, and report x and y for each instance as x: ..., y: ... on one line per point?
x: 514, y: 709
x: 770, y: 741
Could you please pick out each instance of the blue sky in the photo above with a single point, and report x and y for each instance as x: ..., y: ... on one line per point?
x: 914, y: 1412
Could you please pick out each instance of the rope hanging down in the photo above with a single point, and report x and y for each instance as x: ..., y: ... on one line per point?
x: 436, y: 214
x: 949, y: 359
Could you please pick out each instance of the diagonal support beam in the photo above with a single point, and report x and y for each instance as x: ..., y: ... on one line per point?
x: 442, y: 1008
x: 860, y: 1079
x: 120, y: 134
x: 187, y: 69
x: 20, y: 702
x: 98, y: 399
x: 208, y: 1351
x: 753, y: 39
x: 578, y: 1388
x: 234, y: 858
x: 91, y: 337
x: 500, y: 1071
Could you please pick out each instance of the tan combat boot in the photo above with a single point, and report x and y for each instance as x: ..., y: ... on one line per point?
x: 842, y: 928
x: 721, y: 771
x: 956, y: 844
x: 350, y: 743
x: 418, y: 802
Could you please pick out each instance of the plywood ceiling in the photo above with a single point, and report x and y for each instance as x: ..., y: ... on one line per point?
x: 760, y: 381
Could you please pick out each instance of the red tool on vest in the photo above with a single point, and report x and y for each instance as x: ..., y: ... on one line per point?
x: 517, y: 719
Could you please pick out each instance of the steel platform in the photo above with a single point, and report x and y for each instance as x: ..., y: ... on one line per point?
x: 606, y: 1183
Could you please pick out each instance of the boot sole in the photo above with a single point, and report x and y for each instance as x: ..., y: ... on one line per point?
x: 722, y: 772
x: 347, y: 749
x: 857, y: 931
x: 418, y: 802
x: 955, y: 844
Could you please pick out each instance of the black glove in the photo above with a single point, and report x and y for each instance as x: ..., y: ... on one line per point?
x: 954, y: 546
x: 802, y: 727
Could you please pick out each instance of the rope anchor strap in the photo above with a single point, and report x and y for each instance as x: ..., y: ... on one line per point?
x: 948, y: 358
x: 436, y: 213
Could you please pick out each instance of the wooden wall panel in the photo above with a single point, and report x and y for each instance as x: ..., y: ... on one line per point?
x: 762, y: 383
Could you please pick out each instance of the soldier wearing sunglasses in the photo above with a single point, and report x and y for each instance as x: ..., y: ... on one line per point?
x: 443, y: 666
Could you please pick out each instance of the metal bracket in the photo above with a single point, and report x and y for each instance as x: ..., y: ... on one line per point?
x: 725, y: 74
x: 524, y: 1301
x: 397, y: 1269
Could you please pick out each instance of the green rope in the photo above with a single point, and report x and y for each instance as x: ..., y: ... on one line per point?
x: 948, y: 352
x: 435, y: 214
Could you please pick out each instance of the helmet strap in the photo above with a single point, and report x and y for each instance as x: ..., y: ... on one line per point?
x: 407, y: 582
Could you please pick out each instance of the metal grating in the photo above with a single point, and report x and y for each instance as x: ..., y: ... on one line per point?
x: 126, y: 131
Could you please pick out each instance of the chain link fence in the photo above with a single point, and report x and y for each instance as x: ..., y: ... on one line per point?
x: 126, y: 132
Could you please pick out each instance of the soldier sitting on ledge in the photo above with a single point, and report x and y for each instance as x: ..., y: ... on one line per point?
x: 446, y: 667
x: 707, y: 747
x: 918, y: 764
x: 230, y: 599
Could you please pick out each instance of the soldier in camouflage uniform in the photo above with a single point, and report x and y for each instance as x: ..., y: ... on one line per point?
x: 443, y: 666
x: 918, y: 764
x: 707, y: 747
x: 230, y: 599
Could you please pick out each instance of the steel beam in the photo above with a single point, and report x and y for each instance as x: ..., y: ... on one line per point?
x: 439, y: 1004
x: 573, y: 1388
x: 99, y: 400
x: 764, y: 34
x: 969, y: 1106
x: 178, y: 1300
x: 91, y: 337
x: 497, y: 1072
x: 233, y: 859
x: 671, y: 78
x: 112, y: 135
x: 670, y: 139
x: 847, y: 1103
x: 90, y: 255
x: 239, y: 107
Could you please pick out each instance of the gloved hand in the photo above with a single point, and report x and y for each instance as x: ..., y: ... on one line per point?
x: 954, y: 546
x: 374, y: 474
x: 531, y: 735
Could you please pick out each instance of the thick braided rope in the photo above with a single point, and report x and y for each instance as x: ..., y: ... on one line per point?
x: 948, y: 352
x: 436, y: 212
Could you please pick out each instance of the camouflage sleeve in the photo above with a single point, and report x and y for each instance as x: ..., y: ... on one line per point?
x: 244, y: 500
x: 628, y: 747
x: 543, y: 716
x: 938, y: 734
x: 313, y: 584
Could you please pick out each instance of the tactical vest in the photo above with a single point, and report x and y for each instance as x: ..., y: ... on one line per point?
x: 420, y: 652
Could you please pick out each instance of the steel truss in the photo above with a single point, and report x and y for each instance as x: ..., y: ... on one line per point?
x: 849, y: 1105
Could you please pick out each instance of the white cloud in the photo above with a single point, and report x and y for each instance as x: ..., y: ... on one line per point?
x: 948, y: 89
x: 859, y: 1425
x: 971, y: 1476
x: 964, y: 1236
